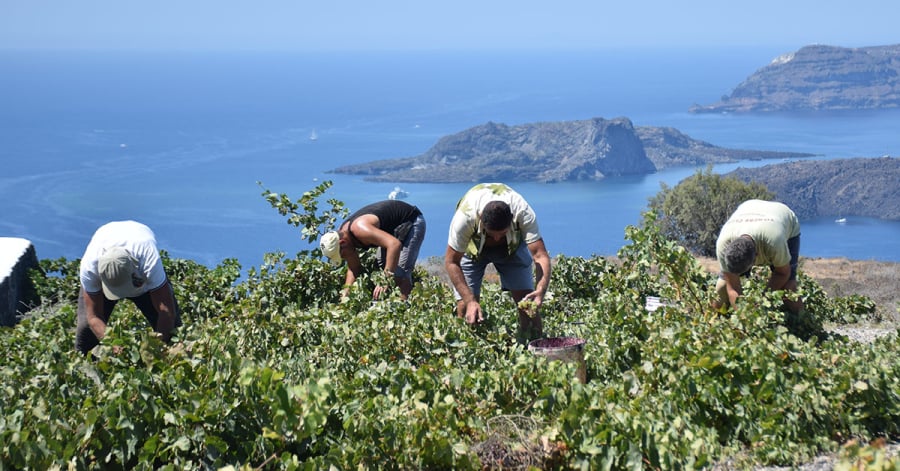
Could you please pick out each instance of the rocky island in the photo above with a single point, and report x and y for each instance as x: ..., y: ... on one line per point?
x: 818, y: 78
x: 840, y: 187
x: 553, y: 152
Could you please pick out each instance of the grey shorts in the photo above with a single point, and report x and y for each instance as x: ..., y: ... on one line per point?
x: 516, y: 271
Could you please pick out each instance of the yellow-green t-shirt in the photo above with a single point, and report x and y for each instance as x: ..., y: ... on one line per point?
x: 466, y: 234
x: 769, y: 223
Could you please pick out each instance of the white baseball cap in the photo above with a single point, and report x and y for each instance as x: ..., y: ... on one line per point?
x: 120, y: 274
x: 330, y: 243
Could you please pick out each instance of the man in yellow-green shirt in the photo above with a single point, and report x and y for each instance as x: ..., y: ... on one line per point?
x: 493, y: 224
x: 758, y: 233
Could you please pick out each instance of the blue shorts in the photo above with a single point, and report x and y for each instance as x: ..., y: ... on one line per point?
x: 410, y: 250
x: 516, y: 271
x: 794, y: 249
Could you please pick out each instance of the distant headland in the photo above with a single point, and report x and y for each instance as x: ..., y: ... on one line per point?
x: 818, y: 78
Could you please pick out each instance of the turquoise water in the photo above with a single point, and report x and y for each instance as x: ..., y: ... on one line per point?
x: 179, y: 141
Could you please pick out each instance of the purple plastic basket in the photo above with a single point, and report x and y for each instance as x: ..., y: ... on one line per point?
x: 567, y: 349
x: 557, y: 343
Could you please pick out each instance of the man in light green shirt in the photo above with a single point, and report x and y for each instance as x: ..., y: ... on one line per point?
x: 758, y: 233
x: 494, y: 225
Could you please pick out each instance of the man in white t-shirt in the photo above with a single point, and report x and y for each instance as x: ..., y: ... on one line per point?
x: 122, y: 261
x: 495, y: 225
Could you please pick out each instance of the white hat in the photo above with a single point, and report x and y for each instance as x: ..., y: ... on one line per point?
x: 120, y: 274
x: 330, y: 243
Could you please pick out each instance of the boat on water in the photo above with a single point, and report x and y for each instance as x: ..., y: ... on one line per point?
x: 313, y: 136
x: 397, y: 194
x: 841, y: 220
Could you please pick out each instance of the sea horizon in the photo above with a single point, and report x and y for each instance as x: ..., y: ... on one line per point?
x: 179, y: 141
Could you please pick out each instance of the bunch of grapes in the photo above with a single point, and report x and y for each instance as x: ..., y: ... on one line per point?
x: 528, y: 307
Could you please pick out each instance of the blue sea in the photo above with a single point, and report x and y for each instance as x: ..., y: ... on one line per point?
x: 180, y: 140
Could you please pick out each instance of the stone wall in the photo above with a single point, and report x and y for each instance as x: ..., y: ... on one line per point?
x: 17, y: 293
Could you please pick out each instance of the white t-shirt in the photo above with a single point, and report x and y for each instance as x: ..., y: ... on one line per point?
x: 466, y: 234
x: 134, y: 237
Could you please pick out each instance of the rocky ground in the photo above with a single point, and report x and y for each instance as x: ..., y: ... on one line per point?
x: 821, y: 463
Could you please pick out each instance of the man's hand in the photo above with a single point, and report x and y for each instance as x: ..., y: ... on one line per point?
x: 384, y: 281
x: 379, y: 291
x: 468, y: 306
x: 474, y: 315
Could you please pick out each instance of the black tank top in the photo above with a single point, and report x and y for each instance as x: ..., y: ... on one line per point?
x: 390, y: 214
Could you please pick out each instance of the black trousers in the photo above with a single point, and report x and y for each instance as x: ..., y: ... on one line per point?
x: 85, y: 339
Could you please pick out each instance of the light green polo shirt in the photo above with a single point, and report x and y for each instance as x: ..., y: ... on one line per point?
x: 466, y: 234
x: 769, y: 223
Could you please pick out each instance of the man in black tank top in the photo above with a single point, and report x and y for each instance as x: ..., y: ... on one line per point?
x: 396, y: 227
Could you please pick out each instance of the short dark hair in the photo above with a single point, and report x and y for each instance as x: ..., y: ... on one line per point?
x: 496, y: 216
x: 739, y: 255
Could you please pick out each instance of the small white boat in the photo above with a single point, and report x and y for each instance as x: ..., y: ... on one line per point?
x: 841, y: 220
x: 397, y: 194
x: 313, y: 136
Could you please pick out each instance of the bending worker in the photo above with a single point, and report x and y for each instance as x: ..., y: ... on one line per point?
x: 396, y: 227
x: 758, y: 233
x: 122, y: 261
x: 495, y: 225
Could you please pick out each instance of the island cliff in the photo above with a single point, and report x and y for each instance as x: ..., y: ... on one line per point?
x: 553, y: 152
x: 841, y: 187
x: 818, y: 78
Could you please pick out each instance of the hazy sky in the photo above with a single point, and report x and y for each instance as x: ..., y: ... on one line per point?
x: 447, y: 24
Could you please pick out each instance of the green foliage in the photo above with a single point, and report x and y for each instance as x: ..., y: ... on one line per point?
x: 840, y: 310
x: 304, y: 212
x: 278, y: 372
x: 202, y: 291
x: 693, y: 212
x: 577, y: 278
x: 657, y: 265
x: 57, y: 280
x: 282, y: 282
x: 853, y: 308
